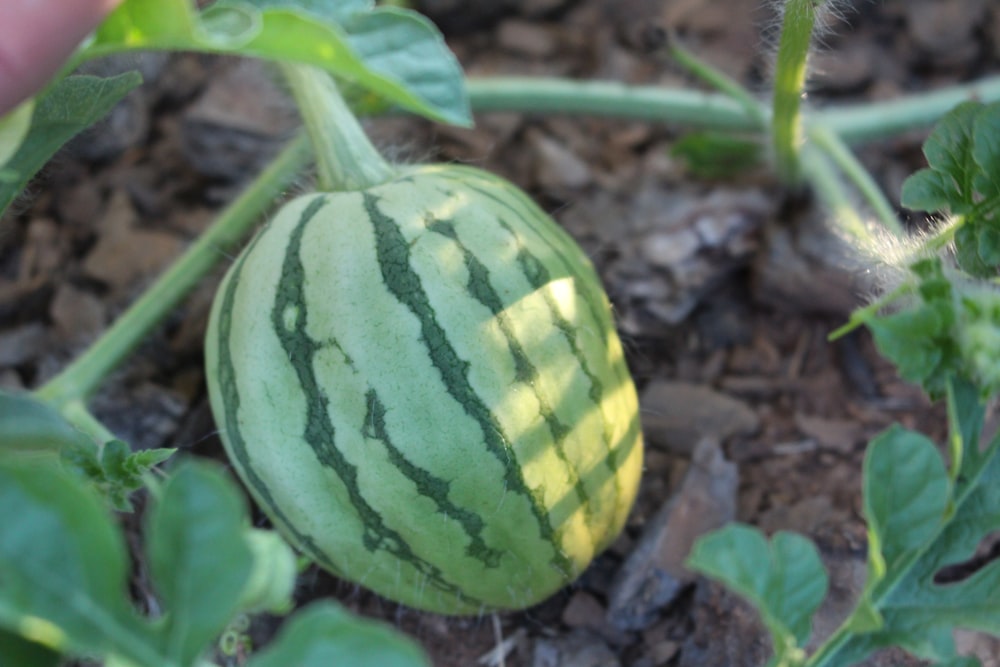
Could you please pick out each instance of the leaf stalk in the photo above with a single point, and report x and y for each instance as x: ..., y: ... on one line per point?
x: 79, y: 380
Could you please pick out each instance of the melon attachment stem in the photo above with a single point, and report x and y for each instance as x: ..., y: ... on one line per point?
x: 345, y: 157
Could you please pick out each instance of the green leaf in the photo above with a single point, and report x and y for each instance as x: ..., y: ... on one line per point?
x: 967, y: 250
x: 965, y: 418
x: 63, y: 565
x: 949, y: 151
x: 783, y: 578
x: 149, y: 24
x: 16, y: 650
x: 986, y: 151
x: 918, y: 612
x: 408, y: 52
x: 934, y: 287
x: 120, y: 472
x: 906, y: 494
x: 713, y: 155
x: 198, y: 557
x: 323, y: 634
x: 332, y: 12
x: 927, y: 190
x: 70, y: 106
x: 395, y: 54
x: 917, y: 341
x: 988, y: 244
x: 29, y: 427
x: 114, y: 469
x: 964, y: 178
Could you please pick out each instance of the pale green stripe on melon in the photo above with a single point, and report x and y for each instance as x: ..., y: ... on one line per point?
x: 430, y: 486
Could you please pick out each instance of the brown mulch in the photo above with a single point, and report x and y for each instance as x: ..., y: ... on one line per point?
x: 715, y: 286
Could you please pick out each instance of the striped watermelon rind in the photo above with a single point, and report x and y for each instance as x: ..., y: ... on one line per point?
x: 421, y: 385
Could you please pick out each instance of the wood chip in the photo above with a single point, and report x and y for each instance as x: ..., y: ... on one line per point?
x: 78, y: 315
x: 837, y: 434
x: 654, y: 574
x: 676, y: 415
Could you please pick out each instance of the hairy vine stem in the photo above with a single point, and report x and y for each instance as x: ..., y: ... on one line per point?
x: 853, y: 123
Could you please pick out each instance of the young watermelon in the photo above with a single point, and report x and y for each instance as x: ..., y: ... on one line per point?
x: 421, y: 384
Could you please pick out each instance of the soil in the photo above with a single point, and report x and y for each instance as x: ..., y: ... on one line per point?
x: 724, y: 291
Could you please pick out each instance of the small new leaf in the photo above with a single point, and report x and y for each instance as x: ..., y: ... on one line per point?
x: 918, y: 341
x: 963, y: 179
x: 949, y: 152
x: 116, y: 471
x: 928, y: 190
x: 986, y: 152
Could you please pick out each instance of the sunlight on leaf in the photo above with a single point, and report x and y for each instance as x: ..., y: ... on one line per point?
x: 394, y: 53
x: 14, y: 128
x: 17, y: 650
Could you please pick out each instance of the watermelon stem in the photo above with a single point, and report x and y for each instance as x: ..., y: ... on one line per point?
x: 345, y: 157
